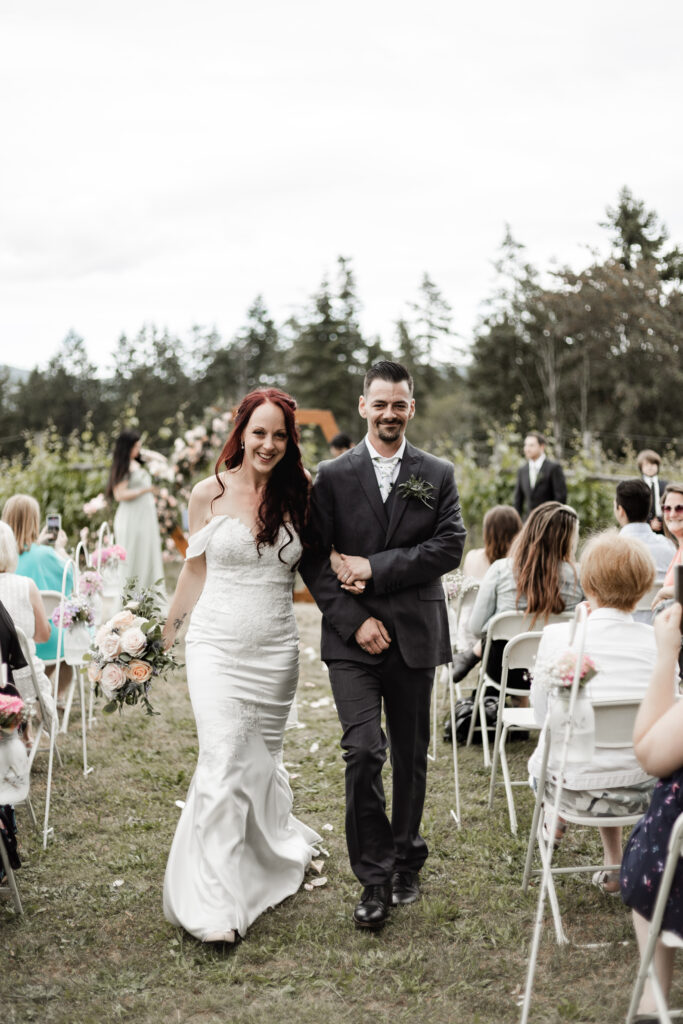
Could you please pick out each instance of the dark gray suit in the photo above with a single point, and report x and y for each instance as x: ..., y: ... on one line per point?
x: 410, y: 546
x: 550, y: 486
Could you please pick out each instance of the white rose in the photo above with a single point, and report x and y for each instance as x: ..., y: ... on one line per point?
x: 133, y: 641
x: 110, y: 645
x: 113, y: 678
x: 122, y: 620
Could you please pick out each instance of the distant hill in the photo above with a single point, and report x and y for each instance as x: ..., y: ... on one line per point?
x: 16, y: 376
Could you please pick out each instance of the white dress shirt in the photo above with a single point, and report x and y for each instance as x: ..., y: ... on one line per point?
x: 660, y: 547
x: 624, y: 653
x: 535, y: 469
x: 377, y: 461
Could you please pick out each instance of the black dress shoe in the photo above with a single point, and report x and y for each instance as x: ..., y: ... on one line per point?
x: 463, y: 663
x: 405, y: 888
x: 373, y: 909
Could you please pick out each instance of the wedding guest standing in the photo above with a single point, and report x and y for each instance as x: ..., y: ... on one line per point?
x: 539, y: 479
x: 135, y: 524
x: 648, y: 464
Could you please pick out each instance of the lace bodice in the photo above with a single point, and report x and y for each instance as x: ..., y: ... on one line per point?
x: 247, y: 597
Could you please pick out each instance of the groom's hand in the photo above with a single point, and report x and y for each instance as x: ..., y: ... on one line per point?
x: 372, y: 636
x: 352, y: 569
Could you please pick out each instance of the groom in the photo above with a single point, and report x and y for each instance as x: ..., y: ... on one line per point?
x: 389, y: 516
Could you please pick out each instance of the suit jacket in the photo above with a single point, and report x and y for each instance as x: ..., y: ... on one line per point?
x: 662, y: 485
x: 550, y: 486
x: 409, y: 545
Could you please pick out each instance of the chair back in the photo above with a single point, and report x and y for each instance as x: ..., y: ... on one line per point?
x: 104, y: 535
x: 466, y: 600
x: 26, y: 651
x: 645, y: 603
x: 520, y: 652
x: 50, y: 599
x: 614, y: 722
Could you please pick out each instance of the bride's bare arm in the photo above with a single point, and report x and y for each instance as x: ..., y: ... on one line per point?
x: 193, y: 573
x: 187, y: 593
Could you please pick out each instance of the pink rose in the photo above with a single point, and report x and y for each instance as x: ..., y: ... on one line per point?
x: 94, y: 672
x: 122, y: 620
x: 133, y: 641
x: 110, y: 645
x: 112, y: 679
x: 139, y: 671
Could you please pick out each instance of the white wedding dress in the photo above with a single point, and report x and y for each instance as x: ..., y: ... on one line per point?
x: 238, y: 849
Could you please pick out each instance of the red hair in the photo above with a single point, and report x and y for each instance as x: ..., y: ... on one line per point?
x: 285, y: 497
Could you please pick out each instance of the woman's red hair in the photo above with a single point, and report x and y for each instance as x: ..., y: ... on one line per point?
x: 285, y: 498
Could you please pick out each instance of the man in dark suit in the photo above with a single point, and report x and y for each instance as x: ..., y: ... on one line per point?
x: 389, y: 523
x: 539, y: 479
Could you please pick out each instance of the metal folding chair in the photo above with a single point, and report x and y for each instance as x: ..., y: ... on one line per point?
x: 11, y: 882
x: 519, y: 653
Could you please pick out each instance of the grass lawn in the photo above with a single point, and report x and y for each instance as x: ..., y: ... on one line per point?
x: 88, y: 950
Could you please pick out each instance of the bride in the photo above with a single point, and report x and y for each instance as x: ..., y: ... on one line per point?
x: 238, y: 849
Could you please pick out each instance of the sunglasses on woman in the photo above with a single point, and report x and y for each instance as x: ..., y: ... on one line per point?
x: 670, y: 510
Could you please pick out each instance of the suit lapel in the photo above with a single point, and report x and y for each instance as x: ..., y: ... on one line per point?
x: 410, y: 464
x: 365, y: 471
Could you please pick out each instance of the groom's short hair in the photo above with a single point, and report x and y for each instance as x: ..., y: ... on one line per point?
x: 386, y: 370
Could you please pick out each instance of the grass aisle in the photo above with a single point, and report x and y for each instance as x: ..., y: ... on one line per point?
x: 92, y: 950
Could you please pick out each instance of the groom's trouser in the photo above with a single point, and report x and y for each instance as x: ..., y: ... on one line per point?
x: 376, y: 846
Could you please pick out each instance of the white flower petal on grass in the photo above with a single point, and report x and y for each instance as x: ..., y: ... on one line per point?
x: 322, y: 703
x: 314, y: 748
x: 117, y: 883
x: 321, y: 762
x: 315, y: 883
x: 328, y: 828
x: 317, y: 866
x: 180, y: 804
x: 294, y: 775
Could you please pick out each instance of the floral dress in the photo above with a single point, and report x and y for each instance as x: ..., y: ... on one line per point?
x: 643, y: 862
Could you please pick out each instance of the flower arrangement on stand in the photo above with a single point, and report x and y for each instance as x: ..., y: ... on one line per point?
x: 91, y: 587
x: 75, y: 617
x: 557, y: 675
x: 128, y: 651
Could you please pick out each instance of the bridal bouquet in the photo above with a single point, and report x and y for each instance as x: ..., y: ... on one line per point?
x: 128, y: 651
x: 559, y: 673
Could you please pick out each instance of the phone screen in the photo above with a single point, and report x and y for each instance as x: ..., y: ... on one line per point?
x: 54, y: 522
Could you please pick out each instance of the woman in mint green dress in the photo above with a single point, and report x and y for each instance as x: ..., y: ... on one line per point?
x: 136, y: 527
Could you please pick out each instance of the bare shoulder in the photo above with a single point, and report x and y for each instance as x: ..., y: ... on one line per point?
x: 199, y: 507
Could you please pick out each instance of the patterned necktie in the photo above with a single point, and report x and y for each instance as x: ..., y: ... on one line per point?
x: 385, y: 472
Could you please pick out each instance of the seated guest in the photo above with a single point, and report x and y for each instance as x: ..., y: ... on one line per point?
x: 500, y: 527
x: 658, y: 743
x: 38, y: 560
x: 539, y: 576
x: 648, y: 464
x: 672, y: 510
x: 631, y: 509
x: 21, y: 598
x: 615, y: 573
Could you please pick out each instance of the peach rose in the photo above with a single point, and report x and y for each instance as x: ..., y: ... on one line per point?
x: 139, y: 671
x: 122, y: 620
x: 133, y: 641
x: 94, y: 672
x: 110, y: 645
x: 112, y: 679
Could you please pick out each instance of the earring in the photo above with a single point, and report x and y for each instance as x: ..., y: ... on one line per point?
x: 242, y: 446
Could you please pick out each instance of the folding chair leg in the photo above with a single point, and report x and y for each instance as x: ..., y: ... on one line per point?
x: 455, y: 814
x: 47, y: 828
x: 91, y: 703
x: 81, y: 686
x: 494, y: 759
x: 475, y: 708
x: 9, y: 874
x: 507, y: 782
x: 484, y: 730
x: 69, y: 701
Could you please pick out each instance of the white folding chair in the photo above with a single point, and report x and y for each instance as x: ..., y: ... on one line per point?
x: 519, y: 653
x: 647, y: 968
x: 503, y: 626
x: 48, y: 723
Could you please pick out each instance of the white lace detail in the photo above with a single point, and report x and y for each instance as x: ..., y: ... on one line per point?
x: 239, y: 719
x: 247, y: 598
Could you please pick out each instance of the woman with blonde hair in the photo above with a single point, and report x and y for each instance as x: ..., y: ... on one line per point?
x: 20, y: 596
x: 38, y: 560
x: 615, y: 573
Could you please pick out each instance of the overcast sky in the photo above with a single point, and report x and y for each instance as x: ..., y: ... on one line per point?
x: 166, y: 161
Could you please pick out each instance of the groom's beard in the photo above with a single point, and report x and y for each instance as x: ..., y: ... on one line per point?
x: 389, y: 431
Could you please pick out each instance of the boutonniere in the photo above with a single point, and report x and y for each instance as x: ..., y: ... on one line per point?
x: 417, y: 488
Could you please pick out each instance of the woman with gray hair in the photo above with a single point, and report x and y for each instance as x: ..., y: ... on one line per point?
x: 21, y: 598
